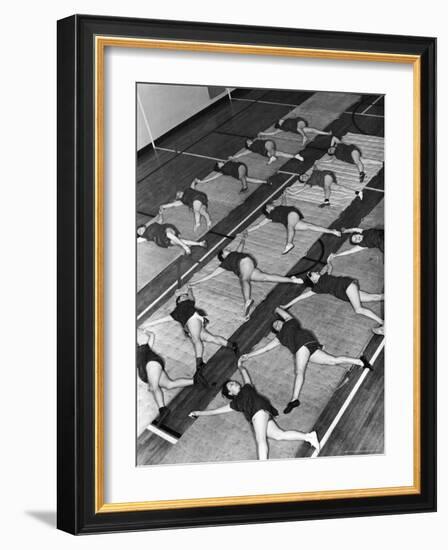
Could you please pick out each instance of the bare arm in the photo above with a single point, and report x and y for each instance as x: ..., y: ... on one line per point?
x: 171, y: 204
x: 283, y: 314
x: 353, y: 230
x: 244, y: 375
x: 302, y: 296
x: 268, y: 347
x: 214, y: 273
x: 206, y: 180
x: 211, y: 412
x: 258, y: 225
x: 241, y: 245
x: 164, y: 319
x: 240, y: 154
x: 274, y: 133
x: 346, y: 252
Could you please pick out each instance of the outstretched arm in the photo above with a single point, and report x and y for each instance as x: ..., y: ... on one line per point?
x: 170, y: 205
x: 157, y: 322
x: 258, y: 225
x: 268, y: 347
x: 211, y: 412
x: 242, y: 243
x: 206, y: 180
x: 214, y: 273
x: 283, y: 314
x: 353, y: 230
x: 244, y: 374
x: 240, y: 154
x: 345, y: 253
x: 274, y: 133
x: 302, y: 296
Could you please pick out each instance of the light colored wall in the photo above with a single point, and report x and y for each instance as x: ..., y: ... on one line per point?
x: 161, y: 107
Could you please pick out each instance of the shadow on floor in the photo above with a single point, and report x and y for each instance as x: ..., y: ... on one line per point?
x: 44, y: 516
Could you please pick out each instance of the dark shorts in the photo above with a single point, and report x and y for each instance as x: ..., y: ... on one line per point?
x: 313, y: 346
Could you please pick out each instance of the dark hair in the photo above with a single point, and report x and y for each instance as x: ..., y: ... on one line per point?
x: 273, y: 329
x: 277, y: 125
x: 140, y: 227
x: 178, y: 299
x: 247, y: 144
x: 220, y: 255
x: 352, y: 235
x: 225, y: 390
x: 331, y: 147
x: 216, y: 168
x: 264, y: 209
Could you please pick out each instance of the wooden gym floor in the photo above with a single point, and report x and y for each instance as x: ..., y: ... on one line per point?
x: 345, y: 405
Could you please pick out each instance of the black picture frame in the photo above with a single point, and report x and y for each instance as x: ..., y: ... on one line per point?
x: 76, y: 258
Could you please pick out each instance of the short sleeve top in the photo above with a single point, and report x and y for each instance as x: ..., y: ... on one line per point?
x: 191, y: 195
x: 373, y: 238
x: 318, y: 177
x: 290, y: 124
x: 183, y: 311
x: 336, y: 286
x: 258, y: 146
x: 231, y: 168
x: 156, y: 232
x: 293, y: 336
x: 232, y: 261
x: 344, y: 152
x: 249, y: 401
x: 280, y: 214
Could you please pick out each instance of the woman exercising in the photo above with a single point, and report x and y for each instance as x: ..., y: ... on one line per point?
x: 236, y: 170
x: 259, y: 411
x: 361, y: 239
x: 347, y: 152
x: 343, y: 288
x: 151, y: 371
x: 245, y: 268
x: 194, y: 322
x: 305, y: 347
x: 296, y: 125
x: 165, y: 235
x: 197, y: 201
x: 265, y: 148
x: 293, y: 220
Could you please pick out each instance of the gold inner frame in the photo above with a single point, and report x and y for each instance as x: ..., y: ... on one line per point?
x: 101, y: 42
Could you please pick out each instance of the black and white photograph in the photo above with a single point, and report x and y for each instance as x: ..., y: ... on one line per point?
x: 260, y: 274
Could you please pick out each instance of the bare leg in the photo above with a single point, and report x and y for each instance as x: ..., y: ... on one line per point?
x: 202, y: 244
x: 275, y: 432
x: 206, y: 216
x: 195, y: 328
x: 301, y: 361
x: 357, y: 160
x: 260, y: 423
x: 174, y: 239
x: 354, y: 297
x: 290, y: 234
x: 306, y: 226
x: 197, y: 214
x: 367, y: 297
x: 246, y: 270
x: 212, y: 338
x: 169, y: 384
x: 261, y: 277
x: 242, y: 173
x: 328, y: 182
x: 154, y: 371
x: 323, y: 358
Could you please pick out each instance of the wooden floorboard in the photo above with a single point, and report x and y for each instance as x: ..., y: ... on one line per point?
x: 222, y: 365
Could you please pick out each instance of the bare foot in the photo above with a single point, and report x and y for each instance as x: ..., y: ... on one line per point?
x: 288, y: 248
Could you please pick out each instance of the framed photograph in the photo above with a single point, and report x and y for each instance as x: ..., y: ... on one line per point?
x: 236, y: 207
